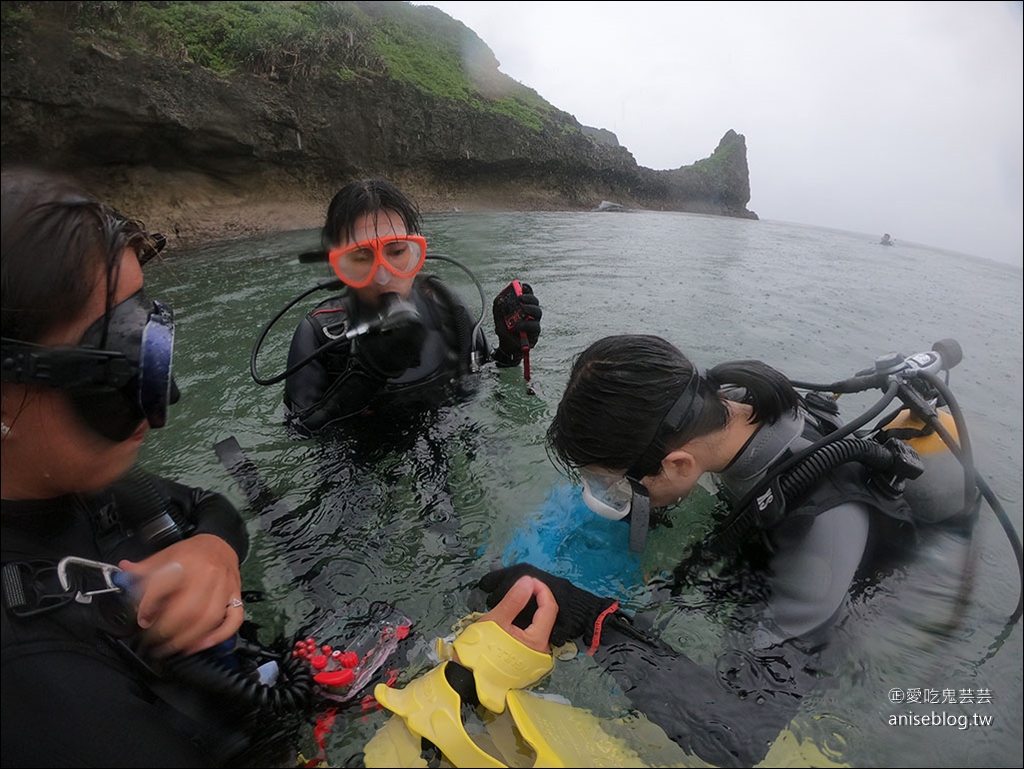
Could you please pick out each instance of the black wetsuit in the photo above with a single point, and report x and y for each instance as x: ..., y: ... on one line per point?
x: 798, y: 585
x: 73, y: 692
x: 342, y: 383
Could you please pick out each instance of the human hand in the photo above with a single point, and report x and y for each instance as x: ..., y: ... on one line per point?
x: 580, y: 613
x: 188, y: 593
x: 514, y: 316
x: 536, y: 635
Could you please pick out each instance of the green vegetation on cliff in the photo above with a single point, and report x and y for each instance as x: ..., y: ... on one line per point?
x: 178, y: 107
x: 284, y: 41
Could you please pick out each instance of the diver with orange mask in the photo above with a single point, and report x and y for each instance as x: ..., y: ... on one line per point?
x: 393, y: 337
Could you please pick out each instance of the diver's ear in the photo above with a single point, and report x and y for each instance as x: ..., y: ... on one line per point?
x: 680, y: 464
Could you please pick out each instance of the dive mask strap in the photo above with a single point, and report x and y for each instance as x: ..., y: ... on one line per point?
x: 680, y: 417
x: 64, y: 367
x: 118, y: 374
x: 639, y: 516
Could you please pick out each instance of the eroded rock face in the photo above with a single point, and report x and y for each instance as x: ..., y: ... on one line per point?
x: 144, y: 125
x: 720, y: 182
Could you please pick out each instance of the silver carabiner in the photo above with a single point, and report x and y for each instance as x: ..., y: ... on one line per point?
x: 106, y: 570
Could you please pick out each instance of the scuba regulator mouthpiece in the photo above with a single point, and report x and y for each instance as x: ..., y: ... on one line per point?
x: 394, y: 313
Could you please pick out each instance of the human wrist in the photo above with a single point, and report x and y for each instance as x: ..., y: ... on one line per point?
x: 507, y: 358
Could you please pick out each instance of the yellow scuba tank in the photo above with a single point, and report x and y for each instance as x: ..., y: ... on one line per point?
x: 938, y: 494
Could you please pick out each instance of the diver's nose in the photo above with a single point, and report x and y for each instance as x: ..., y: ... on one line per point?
x: 382, y: 276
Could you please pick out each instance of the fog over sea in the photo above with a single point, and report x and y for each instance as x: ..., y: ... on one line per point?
x: 416, y: 515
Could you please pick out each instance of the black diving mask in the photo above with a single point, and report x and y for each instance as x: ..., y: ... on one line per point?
x: 117, y: 376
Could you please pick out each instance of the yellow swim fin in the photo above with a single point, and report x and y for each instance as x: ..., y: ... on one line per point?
x: 564, y: 736
x: 788, y: 750
x: 393, y: 746
x: 433, y: 710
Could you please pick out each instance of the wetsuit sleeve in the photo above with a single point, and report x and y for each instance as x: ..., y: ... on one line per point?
x: 729, y: 712
x: 312, y: 399
x: 157, y: 507
x: 208, y: 512
x: 727, y: 716
x: 216, y: 515
x: 726, y: 712
x: 463, y: 317
x: 304, y: 389
x: 811, y: 573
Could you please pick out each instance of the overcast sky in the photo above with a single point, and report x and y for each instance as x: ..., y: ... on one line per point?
x: 898, y: 117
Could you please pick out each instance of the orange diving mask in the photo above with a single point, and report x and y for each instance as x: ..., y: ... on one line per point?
x: 401, y: 255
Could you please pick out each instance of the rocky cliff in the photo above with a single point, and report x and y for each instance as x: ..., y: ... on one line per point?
x: 174, y: 132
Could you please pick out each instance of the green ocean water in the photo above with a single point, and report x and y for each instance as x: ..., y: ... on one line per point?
x: 416, y: 515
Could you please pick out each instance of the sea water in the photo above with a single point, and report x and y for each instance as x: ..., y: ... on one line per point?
x: 416, y: 515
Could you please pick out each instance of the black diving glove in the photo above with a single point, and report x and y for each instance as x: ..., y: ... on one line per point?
x: 580, y: 613
x: 395, y: 344
x: 515, y: 314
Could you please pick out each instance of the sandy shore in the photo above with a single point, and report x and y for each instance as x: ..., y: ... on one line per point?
x: 192, y: 209
x: 189, y: 225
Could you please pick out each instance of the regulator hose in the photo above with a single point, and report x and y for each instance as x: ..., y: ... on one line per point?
x: 463, y: 332
x: 871, y: 453
x: 476, y: 282
x: 328, y: 284
x: 794, y: 484
x: 962, y: 451
x: 291, y: 692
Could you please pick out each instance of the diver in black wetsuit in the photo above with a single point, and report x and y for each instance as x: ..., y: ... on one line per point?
x: 393, y: 335
x: 810, y: 519
x: 115, y: 580
x: 75, y: 683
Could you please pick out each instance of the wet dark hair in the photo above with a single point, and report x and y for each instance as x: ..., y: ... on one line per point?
x: 621, y: 387
x: 54, y: 235
x: 367, y: 196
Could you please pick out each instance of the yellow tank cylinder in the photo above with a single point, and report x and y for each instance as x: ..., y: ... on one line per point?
x: 938, y: 494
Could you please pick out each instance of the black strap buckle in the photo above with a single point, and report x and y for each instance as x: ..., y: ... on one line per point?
x: 32, y: 587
